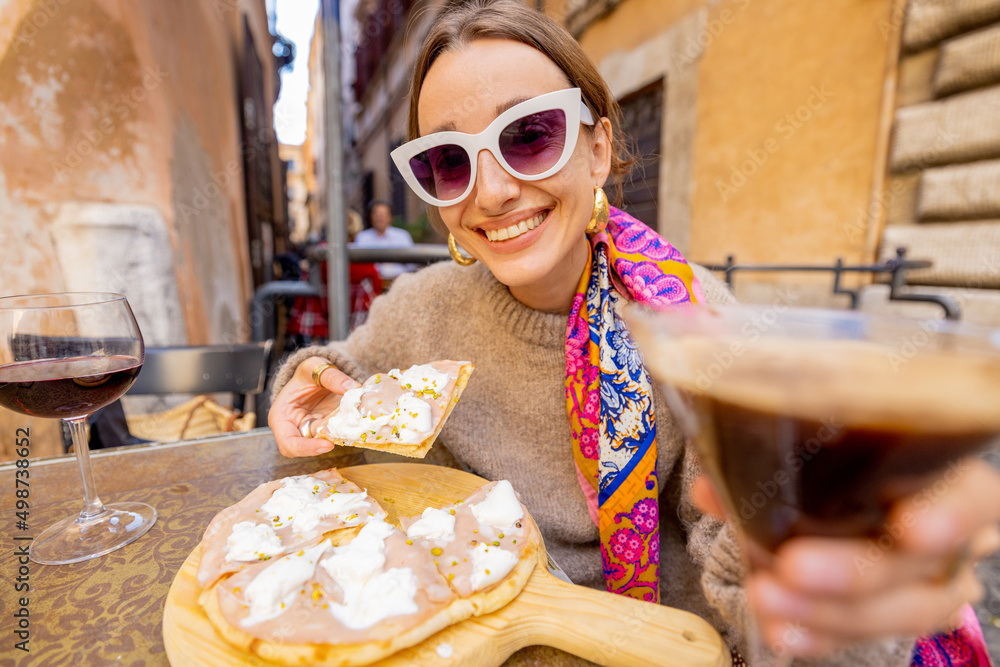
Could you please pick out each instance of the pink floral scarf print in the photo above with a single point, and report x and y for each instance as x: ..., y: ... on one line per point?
x: 609, y: 398
x: 963, y: 647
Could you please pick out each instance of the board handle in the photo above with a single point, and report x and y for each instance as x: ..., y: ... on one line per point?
x: 614, y: 630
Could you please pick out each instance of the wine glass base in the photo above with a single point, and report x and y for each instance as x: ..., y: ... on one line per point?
x: 73, y: 540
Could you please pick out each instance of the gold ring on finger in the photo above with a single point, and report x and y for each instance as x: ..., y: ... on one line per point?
x: 318, y: 371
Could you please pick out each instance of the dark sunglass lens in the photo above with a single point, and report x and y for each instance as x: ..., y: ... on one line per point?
x: 533, y: 144
x: 443, y: 171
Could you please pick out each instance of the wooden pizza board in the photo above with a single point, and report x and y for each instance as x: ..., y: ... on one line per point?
x: 604, y: 628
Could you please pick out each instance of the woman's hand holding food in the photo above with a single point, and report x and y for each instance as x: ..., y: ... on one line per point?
x: 302, y: 402
x: 823, y: 594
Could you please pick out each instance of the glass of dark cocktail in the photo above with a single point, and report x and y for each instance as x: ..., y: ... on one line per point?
x: 64, y: 356
x: 814, y: 422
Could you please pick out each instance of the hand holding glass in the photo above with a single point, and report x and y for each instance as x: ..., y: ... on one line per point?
x: 815, y: 423
x: 64, y: 356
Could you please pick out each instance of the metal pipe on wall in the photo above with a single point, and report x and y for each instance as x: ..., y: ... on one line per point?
x: 338, y: 281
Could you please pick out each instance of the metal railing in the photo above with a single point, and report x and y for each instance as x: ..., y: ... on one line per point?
x: 422, y: 253
x: 895, y: 267
x: 262, y: 308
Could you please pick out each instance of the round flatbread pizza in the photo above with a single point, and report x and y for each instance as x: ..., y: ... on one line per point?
x: 307, y: 570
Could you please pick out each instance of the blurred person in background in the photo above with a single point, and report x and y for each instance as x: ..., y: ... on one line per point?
x: 383, y: 235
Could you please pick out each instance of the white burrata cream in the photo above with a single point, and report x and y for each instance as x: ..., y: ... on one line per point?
x: 346, y: 507
x: 413, y: 419
x: 501, y: 508
x: 362, y: 558
x: 383, y: 596
x: 370, y: 595
x: 305, y: 501
x: 252, y: 541
x: 275, y: 588
x: 433, y: 524
x: 490, y: 565
x: 347, y: 422
x: 409, y: 419
x: 423, y: 377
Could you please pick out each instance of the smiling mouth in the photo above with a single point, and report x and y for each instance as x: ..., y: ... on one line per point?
x: 514, y: 231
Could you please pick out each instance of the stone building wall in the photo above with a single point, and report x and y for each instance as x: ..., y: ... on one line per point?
x: 943, y: 194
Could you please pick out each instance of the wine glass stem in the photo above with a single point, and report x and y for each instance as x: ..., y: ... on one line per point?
x: 92, y: 505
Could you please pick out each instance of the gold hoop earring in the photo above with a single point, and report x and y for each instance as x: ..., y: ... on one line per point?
x: 457, y: 255
x: 601, y: 214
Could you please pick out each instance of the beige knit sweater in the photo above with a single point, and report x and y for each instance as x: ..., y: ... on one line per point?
x: 511, y: 424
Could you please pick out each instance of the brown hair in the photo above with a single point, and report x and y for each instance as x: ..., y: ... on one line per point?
x: 464, y: 21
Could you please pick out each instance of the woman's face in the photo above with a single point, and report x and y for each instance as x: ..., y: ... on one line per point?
x: 465, y: 90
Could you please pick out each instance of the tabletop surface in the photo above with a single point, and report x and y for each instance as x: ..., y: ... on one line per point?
x: 109, y: 610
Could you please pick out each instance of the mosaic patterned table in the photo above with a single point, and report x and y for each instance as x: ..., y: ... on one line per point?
x: 109, y: 610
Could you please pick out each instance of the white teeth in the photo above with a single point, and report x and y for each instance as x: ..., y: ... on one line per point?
x: 514, y: 231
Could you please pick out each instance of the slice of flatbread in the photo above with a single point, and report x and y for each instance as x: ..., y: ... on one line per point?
x: 401, y: 412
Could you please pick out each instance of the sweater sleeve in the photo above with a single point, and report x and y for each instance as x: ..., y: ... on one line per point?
x: 717, y: 293
x: 713, y: 547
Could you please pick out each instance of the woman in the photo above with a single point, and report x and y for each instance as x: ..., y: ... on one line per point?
x: 513, y: 134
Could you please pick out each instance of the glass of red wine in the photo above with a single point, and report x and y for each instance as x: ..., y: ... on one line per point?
x: 63, y: 356
x: 815, y: 422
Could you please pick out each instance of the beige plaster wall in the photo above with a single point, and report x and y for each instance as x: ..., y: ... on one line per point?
x: 132, y: 104
x: 120, y: 163
x: 786, y: 126
x: 632, y: 22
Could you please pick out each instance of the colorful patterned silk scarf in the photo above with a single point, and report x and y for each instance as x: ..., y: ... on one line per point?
x: 964, y: 647
x: 609, y: 399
